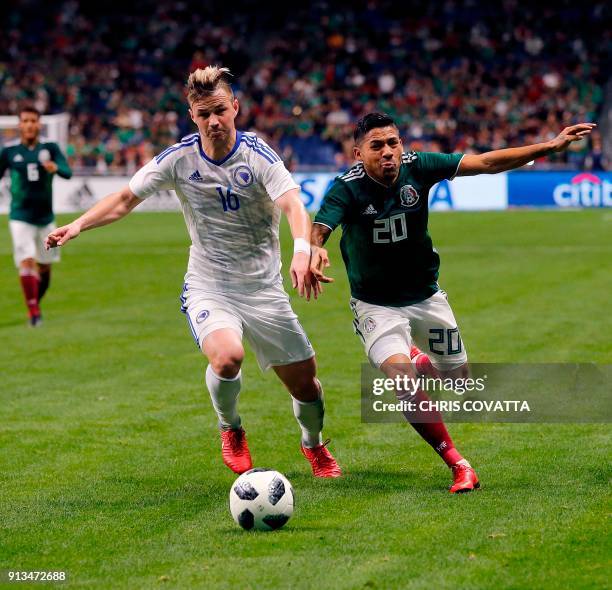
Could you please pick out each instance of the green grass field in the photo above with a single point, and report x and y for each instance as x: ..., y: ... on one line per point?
x: 110, y: 460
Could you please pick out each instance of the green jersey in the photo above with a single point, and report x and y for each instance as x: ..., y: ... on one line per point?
x: 389, y: 256
x: 31, y: 194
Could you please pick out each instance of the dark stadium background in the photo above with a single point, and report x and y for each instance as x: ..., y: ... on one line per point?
x: 457, y: 75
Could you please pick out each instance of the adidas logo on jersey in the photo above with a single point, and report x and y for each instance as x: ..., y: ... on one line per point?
x: 18, y: 158
x: 196, y: 177
x: 369, y: 210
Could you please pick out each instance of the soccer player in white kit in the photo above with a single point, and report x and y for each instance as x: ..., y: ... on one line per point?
x: 233, y: 187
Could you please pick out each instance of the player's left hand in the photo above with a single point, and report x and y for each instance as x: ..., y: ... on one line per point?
x: 571, y: 134
x: 50, y: 166
x: 300, y: 274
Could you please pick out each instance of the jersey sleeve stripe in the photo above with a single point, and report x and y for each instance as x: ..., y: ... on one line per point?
x: 261, y: 148
x: 167, y: 151
x: 189, y: 137
x: 270, y: 157
x: 353, y: 175
x: 266, y: 148
x: 356, y: 170
x: 164, y: 151
x: 174, y: 148
x: 268, y: 154
x: 262, y: 154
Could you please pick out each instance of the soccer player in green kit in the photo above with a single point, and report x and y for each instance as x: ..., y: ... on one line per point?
x: 32, y: 165
x: 382, y: 205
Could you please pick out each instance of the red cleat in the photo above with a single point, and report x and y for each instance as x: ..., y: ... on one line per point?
x: 465, y: 479
x: 235, y: 450
x: 322, y: 461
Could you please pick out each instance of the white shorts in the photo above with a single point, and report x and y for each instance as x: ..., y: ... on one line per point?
x: 29, y: 242
x: 265, y: 317
x: 430, y: 324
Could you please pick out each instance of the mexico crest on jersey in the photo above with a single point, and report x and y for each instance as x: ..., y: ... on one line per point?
x: 409, y: 196
x: 243, y: 176
x: 369, y: 325
x: 44, y: 156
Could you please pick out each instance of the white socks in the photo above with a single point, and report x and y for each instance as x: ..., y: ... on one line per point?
x: 224, y: 395
x: 310, y: 418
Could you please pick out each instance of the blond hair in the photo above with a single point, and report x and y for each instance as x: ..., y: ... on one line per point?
x: 204, y: 82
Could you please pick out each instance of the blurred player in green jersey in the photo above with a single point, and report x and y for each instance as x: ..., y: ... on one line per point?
x: 382, y: 205
x: 32, y: 165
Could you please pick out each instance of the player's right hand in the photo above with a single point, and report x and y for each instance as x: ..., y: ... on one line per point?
x: 59, y: 236
x: 571, y: 134
x: 50, y: 166
x: 319, y: 259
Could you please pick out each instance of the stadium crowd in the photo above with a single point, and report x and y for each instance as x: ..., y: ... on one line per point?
x: 457, y: 75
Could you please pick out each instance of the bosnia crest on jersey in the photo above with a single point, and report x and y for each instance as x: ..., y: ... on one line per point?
x: 243, y: 176
x: 202, y: 316
x: 409, y: 196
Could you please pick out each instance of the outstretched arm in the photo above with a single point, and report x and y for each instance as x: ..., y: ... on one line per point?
x: 111, y: 208
x: 511, y: 158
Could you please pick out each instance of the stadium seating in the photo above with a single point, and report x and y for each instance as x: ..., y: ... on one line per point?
x: 119, y: 69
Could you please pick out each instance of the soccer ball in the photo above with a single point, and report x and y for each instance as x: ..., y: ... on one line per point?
x: 261, y: 499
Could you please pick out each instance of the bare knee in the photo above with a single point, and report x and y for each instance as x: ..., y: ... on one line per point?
x: 224, y: 351
x: 226, y: 363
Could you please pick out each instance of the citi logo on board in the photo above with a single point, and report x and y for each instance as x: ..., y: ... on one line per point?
x: 584, y: 190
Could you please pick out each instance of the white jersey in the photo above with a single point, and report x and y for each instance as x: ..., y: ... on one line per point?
x: 228, y: 207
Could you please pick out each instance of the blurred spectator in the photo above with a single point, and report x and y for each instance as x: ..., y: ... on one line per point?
x: 459, y: 75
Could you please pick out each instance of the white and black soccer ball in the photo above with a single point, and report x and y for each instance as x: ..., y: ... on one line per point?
x: 261, y: 499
